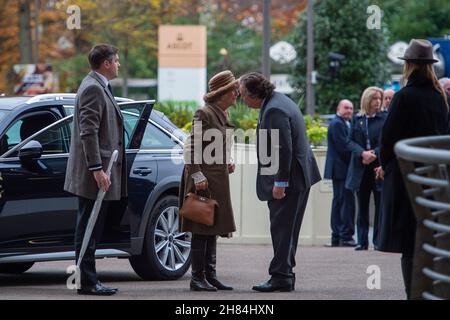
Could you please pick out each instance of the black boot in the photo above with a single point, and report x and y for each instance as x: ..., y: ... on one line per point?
x: 407, y: 266
x: 198, y: 248
x: 210, y: 264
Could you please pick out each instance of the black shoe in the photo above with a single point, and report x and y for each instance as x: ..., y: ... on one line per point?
x: 349, y: 243
x: 97, y: 290
x: 360, y: 247
x: 199, y: 284
x: 272, y: 285
x: 332, y: 245
x: 216, y: 283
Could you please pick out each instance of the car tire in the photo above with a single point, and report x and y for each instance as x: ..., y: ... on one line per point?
x: 15, y: 268
x: 166, y: 252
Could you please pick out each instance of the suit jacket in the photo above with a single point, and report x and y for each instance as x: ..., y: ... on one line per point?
x: 293, y: 159
x: 97, y: 131
x: 356, y: 144
x: 338, y: 156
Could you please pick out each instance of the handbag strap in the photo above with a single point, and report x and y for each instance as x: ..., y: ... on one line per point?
x: 207, y: 189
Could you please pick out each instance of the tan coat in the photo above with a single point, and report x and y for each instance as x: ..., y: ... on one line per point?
x: 212, y: 117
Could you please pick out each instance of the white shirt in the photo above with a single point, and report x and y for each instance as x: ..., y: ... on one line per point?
x: 104, y: 79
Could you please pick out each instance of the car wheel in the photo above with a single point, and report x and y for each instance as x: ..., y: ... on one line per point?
x: 167, y: 251
x: 15, y: 268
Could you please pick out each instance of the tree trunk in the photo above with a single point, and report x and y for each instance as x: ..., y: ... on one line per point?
x: 25, y: 43
x: 125, y: 73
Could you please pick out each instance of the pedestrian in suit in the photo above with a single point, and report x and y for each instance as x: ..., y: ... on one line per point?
x: 285, y: 180
x: 418, y: 109
x: 97, y: 131
x: 388, y: 94
x: 210, y: 171
x: 336, y: 167
x: 363, y: 143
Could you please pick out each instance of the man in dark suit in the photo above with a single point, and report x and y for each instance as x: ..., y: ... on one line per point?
x: 336, y: 167
x: 97, y: 131
x: 285, y: 174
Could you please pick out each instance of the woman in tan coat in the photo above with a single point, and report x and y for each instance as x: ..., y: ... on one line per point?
x: 207, y: 166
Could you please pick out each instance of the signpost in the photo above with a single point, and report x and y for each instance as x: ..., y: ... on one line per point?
x: 182, y: 63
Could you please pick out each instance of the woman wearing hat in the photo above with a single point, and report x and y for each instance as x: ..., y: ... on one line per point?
x: 207, y: 169
x: 418, y: 109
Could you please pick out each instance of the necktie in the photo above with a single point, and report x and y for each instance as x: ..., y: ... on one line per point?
x: 110, y: 89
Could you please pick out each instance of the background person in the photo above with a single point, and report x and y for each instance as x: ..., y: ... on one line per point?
x: 336, y: 167
x: 418, y: 109
x: 363, y: 144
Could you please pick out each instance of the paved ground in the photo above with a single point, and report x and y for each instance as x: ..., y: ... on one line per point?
x: 322, y: 273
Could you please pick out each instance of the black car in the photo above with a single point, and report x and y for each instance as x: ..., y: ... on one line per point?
x: 37, y: 217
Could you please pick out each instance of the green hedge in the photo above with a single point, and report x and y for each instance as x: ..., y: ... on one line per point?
x: 241, y: 116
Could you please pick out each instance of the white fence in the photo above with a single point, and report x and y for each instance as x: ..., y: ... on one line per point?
x: 252, y: 215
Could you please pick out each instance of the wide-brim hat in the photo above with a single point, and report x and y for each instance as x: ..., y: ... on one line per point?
x: 419, y: 51
x: 220, y: 84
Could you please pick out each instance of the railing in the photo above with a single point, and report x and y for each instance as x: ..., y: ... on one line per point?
x: 425, y: 165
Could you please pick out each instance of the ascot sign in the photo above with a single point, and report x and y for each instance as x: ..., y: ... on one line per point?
x: 182, y: 63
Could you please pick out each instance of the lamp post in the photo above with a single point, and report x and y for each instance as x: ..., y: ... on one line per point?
x: 266, y: 40
x: 310, y: 74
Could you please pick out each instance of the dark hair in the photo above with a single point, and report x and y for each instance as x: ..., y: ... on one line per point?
x: 100, y: 53
x: 257, y: 85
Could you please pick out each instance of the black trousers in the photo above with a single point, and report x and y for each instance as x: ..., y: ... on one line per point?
x: 286, y: 216
x: 368, y: 186
x: 87, y: 266
x: 342, y: 213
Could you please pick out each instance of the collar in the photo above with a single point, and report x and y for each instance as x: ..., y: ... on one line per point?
x: 221, y: 114
x: 416, y: 80
x: 103, y: 78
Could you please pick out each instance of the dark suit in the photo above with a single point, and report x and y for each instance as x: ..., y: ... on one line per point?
x: 360, y: 177
x: 295, y: 165
x: 336, y: 167
x: 97, y: 131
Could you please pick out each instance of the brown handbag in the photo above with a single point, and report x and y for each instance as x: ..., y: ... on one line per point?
x: 199, y: 209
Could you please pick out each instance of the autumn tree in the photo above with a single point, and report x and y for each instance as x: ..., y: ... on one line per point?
x: 341, y: 27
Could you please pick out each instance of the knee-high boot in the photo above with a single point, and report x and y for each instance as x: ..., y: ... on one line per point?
x: 407, y: 266
x: 210, y: 264
x: 198, y: 249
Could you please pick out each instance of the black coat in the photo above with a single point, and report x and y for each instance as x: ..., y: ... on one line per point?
x: 356, y: 143
x: 338, y: 156
x: 416, y: 110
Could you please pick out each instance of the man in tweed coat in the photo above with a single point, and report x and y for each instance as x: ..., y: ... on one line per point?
x: 97, y: 131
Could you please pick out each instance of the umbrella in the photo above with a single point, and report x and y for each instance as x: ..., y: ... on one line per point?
x: 94, y: 214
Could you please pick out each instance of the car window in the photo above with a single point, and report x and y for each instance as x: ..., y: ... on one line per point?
x: 129, y: 122
x: 54, y: 140
x: 155, y: 138
x: 23, y: 128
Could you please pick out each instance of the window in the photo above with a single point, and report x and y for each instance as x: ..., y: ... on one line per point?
x: 129, y: 124
x: 155, y: 138
x: 24, y: 128
x: 56, y: 139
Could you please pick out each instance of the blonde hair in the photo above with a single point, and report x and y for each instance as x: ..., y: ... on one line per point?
x: 424, y: 71
x: 367, y: 97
